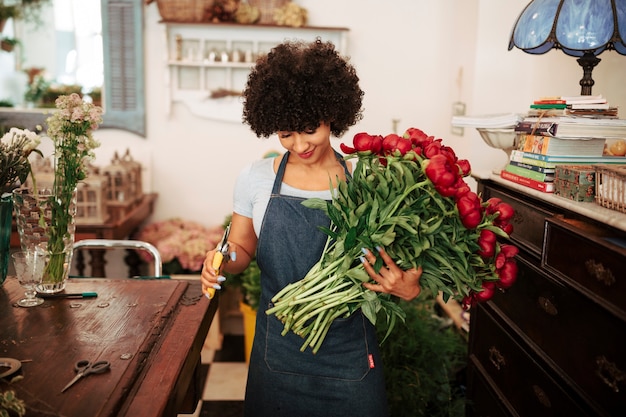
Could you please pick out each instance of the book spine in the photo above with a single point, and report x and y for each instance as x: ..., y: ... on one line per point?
x: 533, y: 167
x: 550, y: 101
x: 546, y: 187
x: 535, y: 156
x: 537, y: 128
x: 534, y: 143
x: 553, y: 160
x: 548, y: 106
x: 600, y: 106
x: 529, y: 173
x: 520, y: 156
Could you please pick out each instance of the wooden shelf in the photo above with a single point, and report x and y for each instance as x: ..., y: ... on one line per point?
x: 194, y: 53
x: 255, y: 26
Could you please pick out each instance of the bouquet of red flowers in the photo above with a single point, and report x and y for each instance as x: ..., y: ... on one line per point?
x: 408, y: 195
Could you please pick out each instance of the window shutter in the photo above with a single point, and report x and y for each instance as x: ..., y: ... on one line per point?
x: 123, y: 90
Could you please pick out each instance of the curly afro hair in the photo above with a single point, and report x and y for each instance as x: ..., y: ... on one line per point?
x: 297, y: 85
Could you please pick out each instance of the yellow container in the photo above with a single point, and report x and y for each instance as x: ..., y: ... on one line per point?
x: 249, y: 321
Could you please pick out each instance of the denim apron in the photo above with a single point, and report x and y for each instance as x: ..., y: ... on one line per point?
x: 345, y: 377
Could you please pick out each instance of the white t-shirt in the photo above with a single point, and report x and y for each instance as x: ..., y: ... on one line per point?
x: 254, y: 187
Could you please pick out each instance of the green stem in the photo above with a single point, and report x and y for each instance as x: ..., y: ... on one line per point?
x: 326, y: 328
x: 352, y: 294
x: 320, y: 294
x: 320, y: 303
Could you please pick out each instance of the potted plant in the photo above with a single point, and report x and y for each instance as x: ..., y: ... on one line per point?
x: 424, y: 362
x: 8, y: 44
x: 96, y: 96
x: 248, y: 283
x: 28, y: 10
x: 36, y: 88
x: 52, y: 92
x: 7, y: 12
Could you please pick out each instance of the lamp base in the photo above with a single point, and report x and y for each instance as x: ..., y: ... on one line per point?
x: 588, y: 61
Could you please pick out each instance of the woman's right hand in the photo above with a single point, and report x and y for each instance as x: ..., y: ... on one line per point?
x: 209, y: 277
x: 237, y: 261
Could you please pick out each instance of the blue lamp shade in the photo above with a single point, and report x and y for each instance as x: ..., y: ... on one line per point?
x: 580, y: 28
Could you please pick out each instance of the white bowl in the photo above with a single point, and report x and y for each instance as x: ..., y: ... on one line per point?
x: 499, y: 138
x: 504, y: 139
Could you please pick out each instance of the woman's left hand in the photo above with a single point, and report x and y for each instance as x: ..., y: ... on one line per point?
x: 391, y: 279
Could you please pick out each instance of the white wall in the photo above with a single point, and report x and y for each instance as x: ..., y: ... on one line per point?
x: 508, y: 81
x: 408, y: 59
x: 414, y: 57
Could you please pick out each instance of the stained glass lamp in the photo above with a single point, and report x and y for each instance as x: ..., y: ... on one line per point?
x: 580, y: 28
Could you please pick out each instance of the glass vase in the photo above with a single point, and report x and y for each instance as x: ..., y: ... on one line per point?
x: 46, y: 223
x: 6, y: 217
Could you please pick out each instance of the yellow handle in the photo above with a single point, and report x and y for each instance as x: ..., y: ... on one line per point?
x: 210, y: 292
x: 217, y: 263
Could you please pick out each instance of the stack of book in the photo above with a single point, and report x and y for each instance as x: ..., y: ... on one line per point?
x: 581, y: 106
x: 543, y: 143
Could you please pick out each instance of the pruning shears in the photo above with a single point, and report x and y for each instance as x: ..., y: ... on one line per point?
x: 222, y: 255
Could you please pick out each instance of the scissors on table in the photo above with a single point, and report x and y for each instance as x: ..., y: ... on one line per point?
x: 222, y: 255
x: 85, y: 367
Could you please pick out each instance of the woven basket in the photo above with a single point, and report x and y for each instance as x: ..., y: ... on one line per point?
x: 611, y: 187
x: 184, y: 11
x: 266, y: 9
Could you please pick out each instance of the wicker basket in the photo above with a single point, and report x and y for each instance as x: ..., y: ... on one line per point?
x: 611, y: 187
x: 184, y: 11
x: 266, y: 9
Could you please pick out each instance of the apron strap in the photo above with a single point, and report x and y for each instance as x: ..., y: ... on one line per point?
x: 283, y: 164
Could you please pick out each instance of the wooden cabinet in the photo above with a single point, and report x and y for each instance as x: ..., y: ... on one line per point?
x: 208, y: 64
x: 554, y: 344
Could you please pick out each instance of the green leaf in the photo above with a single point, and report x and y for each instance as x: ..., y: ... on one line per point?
x: 384, y: 239
x: 402, y: 222
x: 431, y: 228
x: 351, y: 240
x: 363, y: 209
x: 335, y: 216
x: 358, y: 274
x: 378, y: 264
x: 373, y: 213
x: 382, y: 189
x: 369, y: 310
x: 333, y: 235
x: 316, y: 203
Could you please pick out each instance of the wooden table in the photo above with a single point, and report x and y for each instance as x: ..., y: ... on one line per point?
x: 152, y: 332
x: 112, y: 229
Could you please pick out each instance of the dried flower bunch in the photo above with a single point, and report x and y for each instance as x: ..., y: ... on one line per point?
x: 15, y: 147
x: 407, y: 194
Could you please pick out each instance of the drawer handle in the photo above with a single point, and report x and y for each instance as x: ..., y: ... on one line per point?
x: 496, y: 357
x: 609, y: 373
x: 599, y: 272
x: 547, y: 306
x: 542, y: 396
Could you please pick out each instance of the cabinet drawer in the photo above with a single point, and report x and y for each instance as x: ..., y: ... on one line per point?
x: 528, y: 221
x: 580, y: 252
x: 528, y: 388
x: 579, y: 336
x: 483, y: 400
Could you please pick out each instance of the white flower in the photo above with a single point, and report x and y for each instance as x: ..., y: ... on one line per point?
x: 15, y: 146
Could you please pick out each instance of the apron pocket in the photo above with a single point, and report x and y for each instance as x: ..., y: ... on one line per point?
x: 343, y: 355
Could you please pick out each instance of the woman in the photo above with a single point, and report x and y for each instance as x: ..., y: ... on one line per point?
x: 304, y: 93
